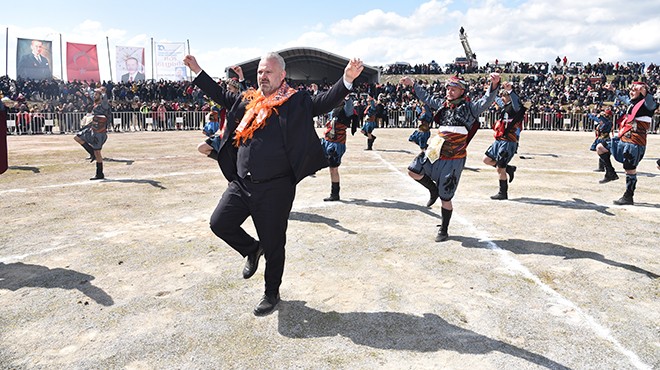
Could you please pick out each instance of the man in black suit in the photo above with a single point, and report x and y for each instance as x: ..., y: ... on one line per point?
x: 133, y: 74
x: 34, y: 65
x: 268, y: 145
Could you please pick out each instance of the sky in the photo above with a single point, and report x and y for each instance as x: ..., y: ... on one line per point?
x: 224, y: 33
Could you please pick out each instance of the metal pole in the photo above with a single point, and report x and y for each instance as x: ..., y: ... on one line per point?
x: 61, y: 61
x: 189, y: 71
x: 107, y: 42
x: 152, y: 58
x: 7, y: 52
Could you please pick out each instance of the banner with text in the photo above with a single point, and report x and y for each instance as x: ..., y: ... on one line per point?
x: 82, y: 62
x: 130, y: 64
x: 33, y: 59
x: 169, y: 61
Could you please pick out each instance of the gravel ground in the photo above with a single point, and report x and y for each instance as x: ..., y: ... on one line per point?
x: 125, y: 273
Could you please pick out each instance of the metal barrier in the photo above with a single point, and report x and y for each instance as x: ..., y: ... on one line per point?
x: 532, y: 121
x: 69, y: 123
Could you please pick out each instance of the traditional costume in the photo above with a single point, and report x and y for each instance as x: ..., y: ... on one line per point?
x: 443, y: 161
x: 423, y: 132
x: 334, y: 140
x: 370, y: 124
x: 602, y: 132
x: 94, y: 132
x: 629, y: 146
x: 507, y: 135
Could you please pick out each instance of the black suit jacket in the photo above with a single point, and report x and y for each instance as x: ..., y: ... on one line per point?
x: 138, y: 77
x: 301, y: 142
x: 30, y: 67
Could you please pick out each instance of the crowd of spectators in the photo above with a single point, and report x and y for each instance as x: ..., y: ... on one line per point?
x: 565, y: 88
x: 558, y: 90
x: 55, y: 96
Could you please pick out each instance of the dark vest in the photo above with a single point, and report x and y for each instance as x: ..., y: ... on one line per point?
x: 264, y: 156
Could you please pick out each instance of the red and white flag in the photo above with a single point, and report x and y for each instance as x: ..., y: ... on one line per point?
x: 82, y: 62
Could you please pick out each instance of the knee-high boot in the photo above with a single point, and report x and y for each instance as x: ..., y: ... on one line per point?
x: 88, y: 148
x: 503, y: 193
x: 428, y: 183
x: 610, y: 174
x: 443, y: 232
x: 334, y: 193
x: 627, y: 198
x: 99, y: 172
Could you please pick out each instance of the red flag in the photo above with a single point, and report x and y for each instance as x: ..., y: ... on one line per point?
x: 82, y: 62
x: 3, y: 139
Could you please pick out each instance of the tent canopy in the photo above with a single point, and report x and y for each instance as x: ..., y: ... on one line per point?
x: 309, y: 65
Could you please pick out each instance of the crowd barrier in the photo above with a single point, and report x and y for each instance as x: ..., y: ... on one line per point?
x: 68, y: 123
x: 532, y: 121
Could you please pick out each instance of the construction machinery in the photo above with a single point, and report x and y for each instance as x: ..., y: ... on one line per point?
x: 470, y: 60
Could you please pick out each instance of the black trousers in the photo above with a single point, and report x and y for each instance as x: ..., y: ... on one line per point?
x: 269, y: 203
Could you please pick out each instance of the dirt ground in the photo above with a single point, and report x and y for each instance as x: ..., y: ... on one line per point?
x: 125, y: 273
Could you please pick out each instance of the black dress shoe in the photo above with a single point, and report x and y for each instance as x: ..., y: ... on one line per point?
x: 252, y: 262
x: 266, y: 305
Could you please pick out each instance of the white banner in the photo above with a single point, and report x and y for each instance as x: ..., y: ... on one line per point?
x: 130, y: 64
x: 169, y: 61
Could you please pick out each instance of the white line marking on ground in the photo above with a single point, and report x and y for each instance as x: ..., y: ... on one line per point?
x: 515, y: 265
x: 23, y: 256
x: 109, y: 180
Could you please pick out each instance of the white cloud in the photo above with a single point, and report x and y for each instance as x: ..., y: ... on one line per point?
x: 585, y: 30
x: 377, y: 21
x: 521, y: 30
x: 89, y: 25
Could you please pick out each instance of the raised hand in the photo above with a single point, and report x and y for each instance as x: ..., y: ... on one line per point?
x: 494, y: 79
x: 353, y: 70
x: 191, y: 63
x: 239, y: 72
x: 407, y: 81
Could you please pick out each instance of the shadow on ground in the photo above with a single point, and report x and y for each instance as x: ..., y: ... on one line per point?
x: 519, y: 246
x: 396, y: 151
x: 14, y: 276
x: 395, y: 331
x: 569, y: 204
x: 314, y: 218
x: 127, y: 161
x: 154, y: 183
x: 25, y: 168
x: 394, y: 204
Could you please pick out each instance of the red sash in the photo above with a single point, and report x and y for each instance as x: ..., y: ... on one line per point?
x: 626, y: 119
x: 3, y: 141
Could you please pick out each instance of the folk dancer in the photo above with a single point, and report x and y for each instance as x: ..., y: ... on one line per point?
x: 421, y: 137
x: 629, y: 146
x: 370, y: 123
x: 444, y: 159
x: 602, y: 131
x: 334, y: 143
x: 214, y: 128
x: 94, y: 132
x: 507, y: 135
